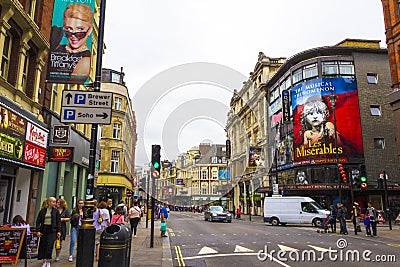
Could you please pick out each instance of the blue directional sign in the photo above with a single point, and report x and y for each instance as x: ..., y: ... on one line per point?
x: 86, y: 107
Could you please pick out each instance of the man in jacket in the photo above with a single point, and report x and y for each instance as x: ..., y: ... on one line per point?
x: 341, y: 216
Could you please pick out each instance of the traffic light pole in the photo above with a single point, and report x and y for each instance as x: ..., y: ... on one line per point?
x: 87, y: 232
x: 387, y: 201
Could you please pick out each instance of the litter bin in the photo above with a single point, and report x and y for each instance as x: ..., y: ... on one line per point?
x: 115, y: 247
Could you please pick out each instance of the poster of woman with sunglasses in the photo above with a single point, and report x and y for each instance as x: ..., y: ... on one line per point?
x: 71, y: 42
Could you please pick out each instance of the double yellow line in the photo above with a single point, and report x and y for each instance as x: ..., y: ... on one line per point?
x: 179, y: 256
x: 171, y: 233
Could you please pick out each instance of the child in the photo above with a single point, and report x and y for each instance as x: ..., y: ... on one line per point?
x: 367, y: 223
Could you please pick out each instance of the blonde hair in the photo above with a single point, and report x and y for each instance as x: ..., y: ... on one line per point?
x: 63, y: 203
x: 79, y: 11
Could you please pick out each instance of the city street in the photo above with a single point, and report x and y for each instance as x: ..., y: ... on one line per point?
x: 195, y: 242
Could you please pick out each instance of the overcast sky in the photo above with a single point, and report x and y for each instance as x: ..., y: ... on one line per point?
x: 182, y: 59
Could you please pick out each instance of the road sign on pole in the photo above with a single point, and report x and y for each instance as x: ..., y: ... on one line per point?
x: 86, y: 107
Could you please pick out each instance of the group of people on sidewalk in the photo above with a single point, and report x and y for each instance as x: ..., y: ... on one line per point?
x: 51, y: 224
x: 339, y: 214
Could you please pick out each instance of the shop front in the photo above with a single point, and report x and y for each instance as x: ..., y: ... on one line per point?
x: 23, y: 143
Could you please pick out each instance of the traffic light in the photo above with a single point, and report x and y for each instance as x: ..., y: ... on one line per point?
x: 363, y: 178
x: 363, y: 182
x: 155, y: 157
x: 342, y: 173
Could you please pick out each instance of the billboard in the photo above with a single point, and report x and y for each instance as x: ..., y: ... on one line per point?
x: 256, y: 157
x: 313, y: 121
x: 71, y: 41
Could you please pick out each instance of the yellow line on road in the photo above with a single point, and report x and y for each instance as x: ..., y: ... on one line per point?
x: 171, y: 232
x: 179, y: 256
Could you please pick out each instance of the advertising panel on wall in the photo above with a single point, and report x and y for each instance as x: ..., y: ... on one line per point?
x: 61, y: 154
x: 313, y: 123
x: 71, y: 41
x: 256, y: 157
x: 22, y: 141
x: 224, y: 175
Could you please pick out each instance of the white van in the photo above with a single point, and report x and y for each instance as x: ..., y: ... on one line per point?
x: 283, y: 210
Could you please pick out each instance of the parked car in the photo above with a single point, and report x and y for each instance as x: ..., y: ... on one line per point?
x: 217, y: 213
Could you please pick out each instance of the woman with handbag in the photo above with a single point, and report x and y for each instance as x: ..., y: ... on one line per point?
x: 134, y: 217
x: 65, y: 217
x: 118, y: 217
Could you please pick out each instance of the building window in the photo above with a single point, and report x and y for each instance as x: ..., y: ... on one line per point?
x: 375, y: 110
x: 215, y: 190
x: 330, y: 68
x: 117, y: 131
x: 32, y: 8
x: 346, y: 68
x: 372, y: 78
x: 204, y: 190
x: 54, y: 96
x: 379, y: 143
x: 215, y: 175
x: 114, y: 161
x: 25, y: 70
x: 204, y: 175
x: 310, y: 71
x: 297, y: 76
x: 115, y: 77
x: 117, y: 103
x: 5, y: 59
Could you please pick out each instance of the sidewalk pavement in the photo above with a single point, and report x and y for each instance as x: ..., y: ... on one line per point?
x: 141, y: 253
x: 384, y: 233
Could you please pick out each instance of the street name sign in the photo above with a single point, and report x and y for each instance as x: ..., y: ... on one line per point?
x: 86, y: 107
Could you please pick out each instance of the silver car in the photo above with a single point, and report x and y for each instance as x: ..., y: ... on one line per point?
x: 217, y: 213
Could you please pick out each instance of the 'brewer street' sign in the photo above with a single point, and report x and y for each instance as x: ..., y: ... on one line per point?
x: 86, y: 107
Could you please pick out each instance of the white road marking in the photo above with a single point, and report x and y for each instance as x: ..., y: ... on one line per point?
x: 207, y: 250
x: 286, y: 248
x: 319, y: 248
x: 242, y: 249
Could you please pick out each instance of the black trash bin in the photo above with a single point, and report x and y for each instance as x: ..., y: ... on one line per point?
x: 115, y: 246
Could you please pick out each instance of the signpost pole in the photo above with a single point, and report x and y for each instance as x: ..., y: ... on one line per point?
x: 87, y: 232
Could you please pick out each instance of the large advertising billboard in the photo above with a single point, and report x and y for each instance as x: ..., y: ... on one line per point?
x: 71, y: 41
x: 313, y: 121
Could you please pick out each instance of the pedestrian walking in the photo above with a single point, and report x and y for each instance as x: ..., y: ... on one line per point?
x: 332, y: 218
x: 341, y: 216
x: 65, y: 217
x: 76, y: 221
x: 371, y: 211
x: 48, y: 225
x: 102, y: 214
x: 124, y: 208
x: 118, y: 215
x: 355, y: 217
x: 110, y: 208
x: 97, y: 221
x: 134, y: 217
x: 164, y: 218
x: 238, y: 212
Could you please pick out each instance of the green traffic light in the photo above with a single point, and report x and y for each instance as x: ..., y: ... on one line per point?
x: 363, y: 179
x: 156, y: 165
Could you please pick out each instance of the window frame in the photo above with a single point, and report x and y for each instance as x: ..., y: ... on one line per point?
x: 117, y: 103
x: 117, y: 131
x: 373, y: 108
x: 114, y: 162
x: 372, y: 78
x: 6, y: 56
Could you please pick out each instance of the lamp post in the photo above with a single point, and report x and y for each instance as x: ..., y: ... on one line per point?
x: 333, y: 98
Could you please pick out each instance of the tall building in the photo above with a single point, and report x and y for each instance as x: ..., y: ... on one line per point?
x: 391, y: 14
x: 24, y: 42
x: 246, y: 130
x: 334, y: 110
x: 118, y: 142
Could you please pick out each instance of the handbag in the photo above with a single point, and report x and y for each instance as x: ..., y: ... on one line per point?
x: 163, y: 226
x: 100, y: 219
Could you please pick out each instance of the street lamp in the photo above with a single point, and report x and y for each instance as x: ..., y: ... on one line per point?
x: 333, y: 98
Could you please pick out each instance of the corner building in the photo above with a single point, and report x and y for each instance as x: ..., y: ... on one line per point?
x: 303, y: 154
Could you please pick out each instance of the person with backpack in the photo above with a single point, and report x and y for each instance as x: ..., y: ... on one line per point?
x: 355, y: 214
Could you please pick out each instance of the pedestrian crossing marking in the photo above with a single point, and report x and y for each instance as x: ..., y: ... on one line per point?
x: 320, y: 249
x: 207, y: 250
x: 286, y: 248
x: 242, y: 249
